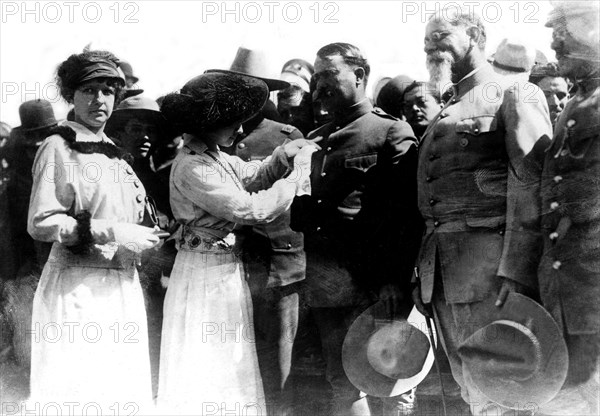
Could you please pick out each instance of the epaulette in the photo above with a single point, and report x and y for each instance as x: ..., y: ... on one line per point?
x: 108, y: 149
x: 288, y: 129
x: 381, y: 113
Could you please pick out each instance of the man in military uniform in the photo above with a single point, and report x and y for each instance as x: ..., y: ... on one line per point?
x: 361, y: 223
x: 275, y: 263
x: 569, y: 272
x: 476, y: 191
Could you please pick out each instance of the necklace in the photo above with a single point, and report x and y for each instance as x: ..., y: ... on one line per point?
x: 231, y: 172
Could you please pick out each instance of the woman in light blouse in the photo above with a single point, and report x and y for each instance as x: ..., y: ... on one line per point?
x: 208, y: 356
x: 90, y: 340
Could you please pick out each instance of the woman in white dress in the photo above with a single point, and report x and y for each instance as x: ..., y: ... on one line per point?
x: 90, y: 340
x: 208, y: 357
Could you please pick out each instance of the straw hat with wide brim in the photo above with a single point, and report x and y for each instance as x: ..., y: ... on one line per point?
x: 386, y: 357
x: 519, y: 357
x: 254, y: 63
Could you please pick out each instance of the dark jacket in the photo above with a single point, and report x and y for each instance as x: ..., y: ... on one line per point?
x: 569, y: 273
x: 274, y: 245
x: 361, y: 222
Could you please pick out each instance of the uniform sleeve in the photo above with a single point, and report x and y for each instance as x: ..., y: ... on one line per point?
x: 52, y: 194
x: 212, y: 190
x: 528, y: 131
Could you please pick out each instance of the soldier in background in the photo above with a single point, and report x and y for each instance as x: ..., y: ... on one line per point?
x: 569, y: 272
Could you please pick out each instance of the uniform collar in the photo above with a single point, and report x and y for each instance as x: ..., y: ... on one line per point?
x: 353, y: 112
x: 84, y: 134
x: 194, y: 144
x: 477, y: 76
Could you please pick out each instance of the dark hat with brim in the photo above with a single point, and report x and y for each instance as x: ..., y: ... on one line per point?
x: 385, y: 357
x: 253, y: 62
x: 519, y: 357
x: 214, y: 99
x: 36, y: 115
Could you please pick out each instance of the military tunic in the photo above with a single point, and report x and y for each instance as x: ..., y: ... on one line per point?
x: 569, y: 272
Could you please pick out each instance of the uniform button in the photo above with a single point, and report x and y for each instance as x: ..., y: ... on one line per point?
x: 324, y: 174
x: 129, y: 170
x: 329, y: 149
x: 558, y: 178
x: 432, y: 201
x: 436, y: 224
x: 136, y: 183
x: 319, y: 201
x: 571, y: 123
x: 318, y: 228
x: 556, y: 265
x: 501, y: 232
x: 289, y: 245
x: 453, y: 100
x: 475, y: 130
x: 141, y: 215
x: 564, y: 152
x: 337, y: 127
x: 241, y: 145
x: 429, y: 179
x: 463, y: 142
x: 554, y: 235
x: 139, y: 198
x: 554, y: 205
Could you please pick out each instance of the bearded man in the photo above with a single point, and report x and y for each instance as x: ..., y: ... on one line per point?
x: 476, y: 192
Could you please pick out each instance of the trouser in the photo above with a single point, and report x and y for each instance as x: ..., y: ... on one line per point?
x: 333, y: 324
x: 581, y: 391
x: 455, y: 322
x: 276, y: 324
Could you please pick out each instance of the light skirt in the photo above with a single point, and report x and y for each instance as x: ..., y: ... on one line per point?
x: 89, y: 341
x: 208, y: 362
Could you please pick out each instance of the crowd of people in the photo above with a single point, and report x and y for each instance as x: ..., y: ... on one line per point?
x: 471, y: 199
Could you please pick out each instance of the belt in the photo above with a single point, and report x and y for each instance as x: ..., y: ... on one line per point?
x: 202, y: 240
x: 463, y: 224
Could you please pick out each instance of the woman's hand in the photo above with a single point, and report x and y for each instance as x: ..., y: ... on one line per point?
x: 292, y: 148
x: 136, y: 238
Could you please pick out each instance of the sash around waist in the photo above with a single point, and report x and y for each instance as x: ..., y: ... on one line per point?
x: 207, y: 240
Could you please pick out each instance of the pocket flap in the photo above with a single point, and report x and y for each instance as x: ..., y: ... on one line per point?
x: 362, y: 162
x: 477, y: 125
x: 486, y: 222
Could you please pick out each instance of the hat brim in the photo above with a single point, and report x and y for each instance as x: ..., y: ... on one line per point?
x: 272, y: 84
x: 32, y: 129
x: 357, y: 366
x: 544, y: 384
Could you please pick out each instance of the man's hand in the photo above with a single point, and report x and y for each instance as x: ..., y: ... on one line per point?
x: 392, y: 297
x: 421, y: 307
x: 508, y: 286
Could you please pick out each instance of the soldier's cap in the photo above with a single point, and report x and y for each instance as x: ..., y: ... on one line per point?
x: 580, y: 18
x: 520, y: 356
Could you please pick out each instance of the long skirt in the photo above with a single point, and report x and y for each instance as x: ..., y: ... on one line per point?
x: 89, y: 340
x: 208, y: 362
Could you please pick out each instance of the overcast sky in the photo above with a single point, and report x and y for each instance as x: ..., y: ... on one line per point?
x: 169, y: 42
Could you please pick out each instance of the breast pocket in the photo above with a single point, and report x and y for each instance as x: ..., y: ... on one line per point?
x: 361, y: 163
x: 475, y: 126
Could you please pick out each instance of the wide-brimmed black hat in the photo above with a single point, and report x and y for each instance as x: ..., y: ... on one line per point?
x: 519, y: 357
x: 213, y: 100
x: 386, y: 356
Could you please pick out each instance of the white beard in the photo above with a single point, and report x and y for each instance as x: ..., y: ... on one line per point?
x: 439, y: 64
